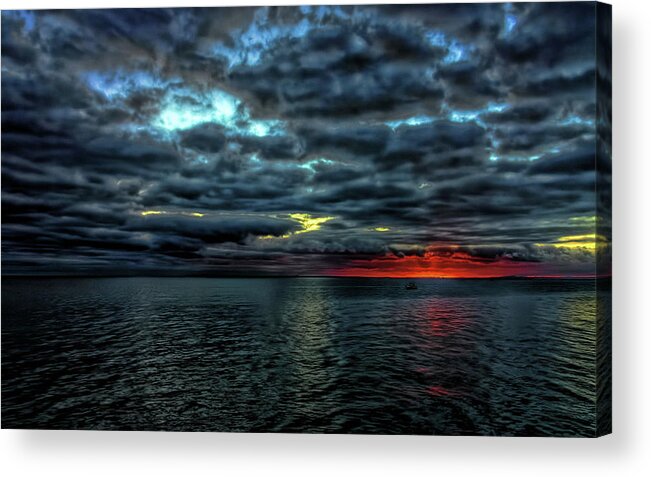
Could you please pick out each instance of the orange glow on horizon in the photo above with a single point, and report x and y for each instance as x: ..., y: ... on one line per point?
x: 431, y: 265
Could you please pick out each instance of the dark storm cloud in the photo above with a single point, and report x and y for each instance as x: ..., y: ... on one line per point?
x: 346, y: 69
x: 579, y: 160
x: 275, y: 147
x: 435, y: 138
x: 210, y: 230
x: 205, y: 137
x: 293, y: 140
x: 528, y: 112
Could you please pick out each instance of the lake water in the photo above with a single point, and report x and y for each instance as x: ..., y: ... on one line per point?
x: 332, y: 355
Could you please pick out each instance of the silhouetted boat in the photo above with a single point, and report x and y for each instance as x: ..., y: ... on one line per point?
x: 411, y: 286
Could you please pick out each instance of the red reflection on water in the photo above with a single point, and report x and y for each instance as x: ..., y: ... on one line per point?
x: 440, y: 391
x: 441, y: 317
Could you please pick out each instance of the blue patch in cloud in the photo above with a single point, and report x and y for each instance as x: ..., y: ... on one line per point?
x: 413, y: 121
x: 120, y: 85
x: 28, y: 18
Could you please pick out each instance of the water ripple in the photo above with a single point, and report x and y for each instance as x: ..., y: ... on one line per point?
x: 300, y: 355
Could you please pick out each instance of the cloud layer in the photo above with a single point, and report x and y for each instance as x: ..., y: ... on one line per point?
x: 314, y: 140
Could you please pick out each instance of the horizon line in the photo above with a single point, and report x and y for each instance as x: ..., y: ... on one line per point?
x: 152, y: 275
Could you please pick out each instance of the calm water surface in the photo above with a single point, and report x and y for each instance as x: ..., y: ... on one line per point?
x: 490, y: 357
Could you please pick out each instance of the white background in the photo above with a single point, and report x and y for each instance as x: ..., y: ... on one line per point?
x: 626, y: 452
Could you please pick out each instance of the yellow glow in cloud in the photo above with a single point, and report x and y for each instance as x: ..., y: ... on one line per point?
x: 582, y: 238
x: 309, y: 223
x: 585, y: 220
x: 587, y: 242
x: 270, y: 237
x: 145, y: 213
x: 570, y: 245
x: 381, y: 229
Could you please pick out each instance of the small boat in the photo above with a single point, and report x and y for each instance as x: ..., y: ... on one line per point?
x: 411, y: 286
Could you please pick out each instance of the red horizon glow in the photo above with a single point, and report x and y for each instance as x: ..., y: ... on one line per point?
x: 456, y: 265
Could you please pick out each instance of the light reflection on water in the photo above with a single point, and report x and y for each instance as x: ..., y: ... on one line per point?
x: 507, y: 357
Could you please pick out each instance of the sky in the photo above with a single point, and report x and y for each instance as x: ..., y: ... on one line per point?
x: 459, y: 140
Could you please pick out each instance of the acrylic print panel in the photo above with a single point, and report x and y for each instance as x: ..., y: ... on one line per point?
x: 328, y: 219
